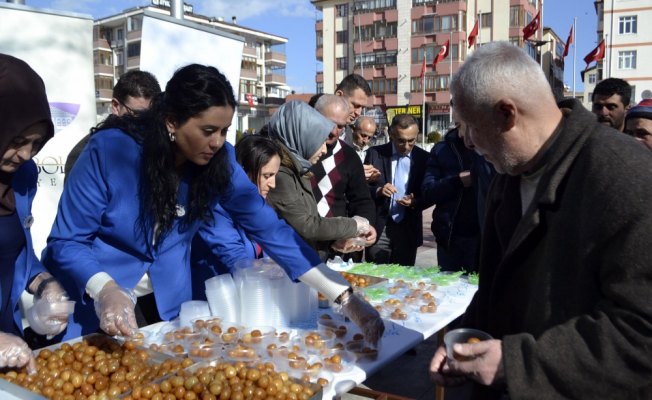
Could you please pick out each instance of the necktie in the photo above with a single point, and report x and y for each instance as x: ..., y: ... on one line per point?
x: 400, y: 182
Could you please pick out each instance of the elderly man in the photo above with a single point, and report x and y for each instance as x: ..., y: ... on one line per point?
x: 364, y: 129
x: 338, y: 180
x: 638, y: 122
x: 565, y: 266
x: 610, y: 100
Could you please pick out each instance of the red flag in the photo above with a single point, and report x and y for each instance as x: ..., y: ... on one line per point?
x: 473, y: 34
x: 568, y: 43
x: 532, y: 28
x: 443, y: 53
x: 596, y: 54
x: 423, y: 67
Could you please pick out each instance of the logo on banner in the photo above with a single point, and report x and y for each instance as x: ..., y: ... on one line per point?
x: 63, y: 114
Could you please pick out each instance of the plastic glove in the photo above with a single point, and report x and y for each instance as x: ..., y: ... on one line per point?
x: 15, y: 353
x: 349, y: 245
x: 49, y: 314
x: 362, y: 224
x: 364, y: 316
x: 114, y: 307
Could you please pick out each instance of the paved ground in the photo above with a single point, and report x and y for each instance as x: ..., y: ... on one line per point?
x: 407, y: 376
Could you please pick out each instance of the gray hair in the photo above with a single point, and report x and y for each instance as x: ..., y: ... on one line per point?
x: 363, y: 118
x: 494, y: 71
x: 331, y: 102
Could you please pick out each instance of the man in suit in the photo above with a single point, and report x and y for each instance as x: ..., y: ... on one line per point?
x: 397, y: 194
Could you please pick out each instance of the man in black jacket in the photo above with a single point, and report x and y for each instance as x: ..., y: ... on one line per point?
x: 397, y: 194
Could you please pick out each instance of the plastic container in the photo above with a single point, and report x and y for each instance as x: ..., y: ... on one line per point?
x: 315, y: 341
x: 463, y: 335
x: 338, y: 361
x: 223, y: 298
x: 191, y: 310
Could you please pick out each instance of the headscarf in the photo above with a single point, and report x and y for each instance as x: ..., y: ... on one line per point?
x: 23, y: 103
x: 301, y: 129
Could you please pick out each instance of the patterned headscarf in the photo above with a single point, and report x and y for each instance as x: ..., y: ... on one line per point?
x: 301, y: 129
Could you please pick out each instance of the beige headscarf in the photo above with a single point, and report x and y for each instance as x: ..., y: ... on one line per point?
x: 23, y: 103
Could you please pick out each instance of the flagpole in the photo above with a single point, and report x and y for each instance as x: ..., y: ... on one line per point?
x: 423, y: 102
x: 541, y: 32
x: 450, y: 79
x: 574, y: 51
x: 479, y: 41
x: 607, y: 58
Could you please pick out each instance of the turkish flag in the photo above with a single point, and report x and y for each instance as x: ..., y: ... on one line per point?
x: 596, y: 54
x: 532, y: 28
x: 473, y: 34
x: 568, y: 43
x: 250, y: 99
x: 443, y: 53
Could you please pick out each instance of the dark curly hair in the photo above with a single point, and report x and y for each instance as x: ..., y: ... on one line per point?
x: 191, y: 90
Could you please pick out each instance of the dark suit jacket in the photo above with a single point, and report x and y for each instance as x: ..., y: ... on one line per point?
x: 381, y: 158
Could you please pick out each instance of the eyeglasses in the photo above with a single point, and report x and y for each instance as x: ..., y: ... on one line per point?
x: 131, y: 110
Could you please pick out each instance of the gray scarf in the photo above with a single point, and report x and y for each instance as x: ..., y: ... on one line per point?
x: 301, y: 129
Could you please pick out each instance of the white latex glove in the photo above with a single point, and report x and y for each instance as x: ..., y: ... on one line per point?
x: 14, y: 353
x: 49, y: 314
x: 114, y: 307
x: 362, y: 224
x: 364, y: 316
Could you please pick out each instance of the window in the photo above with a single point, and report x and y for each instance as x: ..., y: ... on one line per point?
x: 627, y: 59
x: 134, y: 23
x: 342, y: 10
x: 431, y: 24
x: 103, y: 82
x: 120, y: 34
x: 627, y: 24
x: 133, y: 49
x: 377, y: 58
x: 319, y: 88
x: 515, y: 40
x: 320, y: 40
x: 433, y: 83
x: 342, y: 37
x: 342, y: 63
x: 370, y: 5
x: 592, y: 78
x: 382, y: 86
x: 486, y: 20
x: 515, y: 16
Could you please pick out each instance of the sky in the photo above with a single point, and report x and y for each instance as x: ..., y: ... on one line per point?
x: 295, y: 20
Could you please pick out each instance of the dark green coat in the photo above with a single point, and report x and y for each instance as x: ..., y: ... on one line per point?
x: 568, y: 287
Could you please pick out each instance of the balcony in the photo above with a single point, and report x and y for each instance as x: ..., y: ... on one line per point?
x: 103, y: 69
x: 319, y: 77
x: 248, y: 74
x: 275, y: 79
x: 272, y: 101
x: 275, y: 58
x: 320, y: 54
x: 101, y: 44
x: 104, y: 94
x: 319, y: 25
x: 249, y: 51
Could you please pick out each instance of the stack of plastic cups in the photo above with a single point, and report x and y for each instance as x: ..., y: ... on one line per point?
x: 253, y: 291
x: 301, y: 304
x: 261, y: 285
x: 223, y: 298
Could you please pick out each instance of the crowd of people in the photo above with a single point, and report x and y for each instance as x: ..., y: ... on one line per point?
x: 545, y: 200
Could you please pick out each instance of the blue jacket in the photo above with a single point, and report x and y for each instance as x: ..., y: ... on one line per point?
x: 456, y: 212
x: 206, y: 263
x: 97, y: 229
x: 27, y: 264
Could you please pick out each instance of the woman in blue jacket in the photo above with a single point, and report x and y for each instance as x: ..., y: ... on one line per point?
x: 260, y: 158
x: 141, y: 190
x: 24, y: 128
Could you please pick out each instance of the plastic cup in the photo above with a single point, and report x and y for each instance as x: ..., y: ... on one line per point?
x: 191, y: 310
x: 463, y: 335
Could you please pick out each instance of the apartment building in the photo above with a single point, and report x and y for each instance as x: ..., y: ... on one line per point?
x: 262, y: 87
x: 386, y: 41
x: 626, y: 27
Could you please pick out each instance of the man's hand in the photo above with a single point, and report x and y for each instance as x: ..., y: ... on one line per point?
x: 485, y: 362
x: 406, y: 201
x: 371, y: 236
x: 371, y: 173
x: 440, y: 372
x: 388, y: 190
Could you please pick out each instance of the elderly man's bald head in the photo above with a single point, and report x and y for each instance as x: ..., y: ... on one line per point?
x: 336, y: 109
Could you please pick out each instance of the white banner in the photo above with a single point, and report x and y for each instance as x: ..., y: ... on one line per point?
x: 58, y: 46
x: 168, y: 44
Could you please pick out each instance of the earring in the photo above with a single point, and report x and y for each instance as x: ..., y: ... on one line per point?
x: 171, y: 134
